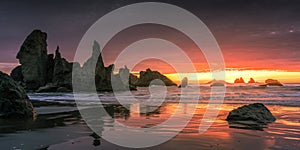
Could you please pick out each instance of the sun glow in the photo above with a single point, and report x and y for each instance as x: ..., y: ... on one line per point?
x: 231, y: 75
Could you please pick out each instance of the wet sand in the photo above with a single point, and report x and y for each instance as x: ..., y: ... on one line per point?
x: 61, y: 127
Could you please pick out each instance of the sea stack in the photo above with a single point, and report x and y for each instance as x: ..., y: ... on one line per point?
x: 147, y: 76
x: 272, y: 82
x: 239, y: 80
x: 33, y: 58
x: 184, y: 82
x: 251, y: 80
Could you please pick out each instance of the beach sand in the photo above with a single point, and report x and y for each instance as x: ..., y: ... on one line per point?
x: 60, y: 127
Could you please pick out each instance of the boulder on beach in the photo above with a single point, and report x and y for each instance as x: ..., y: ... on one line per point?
x: 272, y: 82
x: 14, y: 102
x: 184, y: 82
x: 252, y: 116
x: 33, y: 58
x: 147, y: 76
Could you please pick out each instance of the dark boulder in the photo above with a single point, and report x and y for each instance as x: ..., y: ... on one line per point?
x: 253, y: 116
x: 14, y: 102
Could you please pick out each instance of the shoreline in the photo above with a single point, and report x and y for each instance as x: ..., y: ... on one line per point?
x: 66, y: 130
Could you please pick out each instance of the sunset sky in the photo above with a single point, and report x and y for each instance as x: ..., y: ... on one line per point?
x: 258, y: 38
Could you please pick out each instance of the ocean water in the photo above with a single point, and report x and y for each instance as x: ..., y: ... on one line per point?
x: 288, y: 95
x: 140, y: 109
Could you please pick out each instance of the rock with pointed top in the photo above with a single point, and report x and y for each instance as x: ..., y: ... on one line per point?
x: 239, y: 80
x: 33, y: 58
x: 62, y: 72
x: 251, y: 80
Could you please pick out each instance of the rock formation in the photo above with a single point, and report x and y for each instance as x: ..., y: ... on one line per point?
x: 272, y: 82
x: 33, y: 58
x: 62, y: 72
x: 147, y: 76
x: 184, y: 82
x: 14, y: 102
x: 104, y: 79
x: 41, y: 72
x: 251, y: 80
x: 239, y: 80
x: 16, y: 74
x: 215, y: 82
x: 253, y: 116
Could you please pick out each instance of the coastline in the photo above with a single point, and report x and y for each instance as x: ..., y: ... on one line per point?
x: 61, y: 127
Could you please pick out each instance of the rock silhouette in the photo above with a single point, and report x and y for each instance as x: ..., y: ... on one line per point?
x: 147, y: 76
x: 253, y: 116
x: 184, y: 82
x: 272, y: 82
x: 44, y: 72
x: 239, y: 80
x: 251, y: 80
x: 33, y: 58
x: 215, y: 82
x: 14, y: 102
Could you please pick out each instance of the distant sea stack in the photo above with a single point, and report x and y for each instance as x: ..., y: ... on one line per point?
x: 239, y: 80
x: 14, y: 102
x: 184, y: 82
x: 272, y: 82
x: 251, y: 80
x: 147, y: 76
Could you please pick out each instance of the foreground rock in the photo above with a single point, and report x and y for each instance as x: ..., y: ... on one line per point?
x: 147, y: 76
x: 14, y: 102
x: 33, y: 58
x: 254, y: 116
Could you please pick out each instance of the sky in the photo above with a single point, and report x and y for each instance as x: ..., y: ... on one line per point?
x: 259, y: 35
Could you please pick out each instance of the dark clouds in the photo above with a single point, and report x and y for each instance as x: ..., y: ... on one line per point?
x: 260, y: 29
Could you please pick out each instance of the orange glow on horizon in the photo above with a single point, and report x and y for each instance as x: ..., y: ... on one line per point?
x: 258, y: 75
